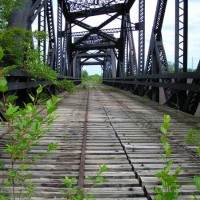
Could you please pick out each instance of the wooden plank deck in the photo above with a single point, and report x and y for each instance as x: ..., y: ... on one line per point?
x: 122, y: 131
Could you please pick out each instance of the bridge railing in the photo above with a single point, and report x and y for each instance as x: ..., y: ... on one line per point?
x: 158, y: 80
x: 178, y: 90
x: 19, y: 80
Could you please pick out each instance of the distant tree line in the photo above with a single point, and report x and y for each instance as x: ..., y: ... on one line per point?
x: 85, y: 77
x: 171, y: 67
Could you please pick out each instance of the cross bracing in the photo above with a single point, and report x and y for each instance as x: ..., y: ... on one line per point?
x: 124, y: 64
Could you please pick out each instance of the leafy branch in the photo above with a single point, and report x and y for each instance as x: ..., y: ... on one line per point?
x: 73, y: 192
x: 170, y: 187
x: 25, y: 129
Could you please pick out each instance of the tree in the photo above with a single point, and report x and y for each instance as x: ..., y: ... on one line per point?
x: 6, y: 7
x: 84, y: 74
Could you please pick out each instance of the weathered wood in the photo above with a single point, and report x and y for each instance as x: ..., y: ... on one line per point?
x: 123, y: 132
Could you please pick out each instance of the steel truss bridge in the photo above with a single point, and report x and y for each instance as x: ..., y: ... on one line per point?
x: 124, y: 66
x: 107, y: 125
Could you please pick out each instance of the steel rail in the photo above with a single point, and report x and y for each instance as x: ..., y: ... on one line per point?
x: 83, y: 149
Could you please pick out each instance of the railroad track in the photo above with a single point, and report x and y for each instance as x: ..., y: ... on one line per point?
x: 107, y: 127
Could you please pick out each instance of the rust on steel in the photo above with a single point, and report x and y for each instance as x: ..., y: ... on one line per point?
x: 82, y: 161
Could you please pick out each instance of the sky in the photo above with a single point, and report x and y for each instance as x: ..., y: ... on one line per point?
x: 168, y: 31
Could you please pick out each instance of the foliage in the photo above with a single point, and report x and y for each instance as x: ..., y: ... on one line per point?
x: 170, y: 187
x: 6, y: 7
x: 75, y: 193
x: 37, y: 68
x: 93, y: 78
x: 67, y: 85
x: 14, y: 41
x: 84, y: 75
x: 171, y: 67
x: 193, y: 138
x: 25, y: 128
x: 26, y: 57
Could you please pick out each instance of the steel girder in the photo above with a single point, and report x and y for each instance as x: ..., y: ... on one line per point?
x: 61, y: 52
x: 193, y: 98
x: 42, y: 27
x: 156, y: 57
x: 127, y: 62
x: 108, y: 31
x: 51, y: 58
x: 181, y: 35
x: 141, y: 42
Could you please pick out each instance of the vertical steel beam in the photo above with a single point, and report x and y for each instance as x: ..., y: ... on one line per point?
x: 51, y: 58
x: 122, y: 47
x: 113, y: 63
x: 181, y: 35
x: 59, y: 38
x: 64, y: 55
x: 193, y: 98
x: 156, y: 44
x: 69, y: 50
x: 42, y: 27
x: 156, y: 59
x: 181, y: 46
x: 20, y: 18
x: 131, y: 47
x: 141, y: 38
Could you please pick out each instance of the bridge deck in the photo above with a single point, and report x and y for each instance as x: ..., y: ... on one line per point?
x: 121, y: 131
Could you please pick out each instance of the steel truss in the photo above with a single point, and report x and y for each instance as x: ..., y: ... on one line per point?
x: 66, y: 51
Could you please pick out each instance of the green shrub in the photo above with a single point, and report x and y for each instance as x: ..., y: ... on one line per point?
x: 170, y: 187
x: 67, y: 85
x: 25, y: 127
x: 193, y: 138
x: 73, y: 192
x: 25, y: 57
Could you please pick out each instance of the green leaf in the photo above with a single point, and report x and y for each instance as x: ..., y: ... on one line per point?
x: 35, y: 157
x: 1, y: 104
x: 32, y: 98
x: 163, y: 129
x: 3, y: 82
x: 8, y: 182
x: 55, y: 100
x: 163, y: 140
x: 39, y: 118
x: 39, y: 90
x: 2, y: 197
x: 90, y: 178
x: 2, y: 164
x: 24, y: 167
x: 198, y: 150
x: 11, y: 110
x: 1, y: 53
x: 7, y: 69
x: 178, y: 170
x: 52, y: 109
x: 3, y: 88
x: 100, y: 179
x: 197, y: 182
x: 11, y: 98
x: 158, y: 197
x: 166, y: 118
x: 103, y: 168
x: 52, y: 147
